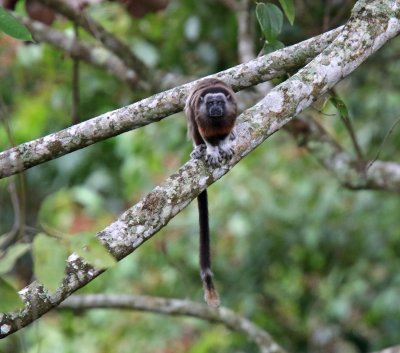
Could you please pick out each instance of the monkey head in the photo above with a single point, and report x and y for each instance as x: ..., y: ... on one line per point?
x: 216, y: 103
x: 213, y: 105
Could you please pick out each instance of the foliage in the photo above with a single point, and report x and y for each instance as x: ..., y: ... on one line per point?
x: 10, y: 300
x: 297, y: 253
x: 11, y: 26
x: 288, y: 8
x: 270, y: 18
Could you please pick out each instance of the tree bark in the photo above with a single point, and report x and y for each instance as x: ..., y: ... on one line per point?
x: 371, y: 25
x: 155, y: 108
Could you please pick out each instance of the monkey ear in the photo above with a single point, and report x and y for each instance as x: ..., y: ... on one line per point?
x: 228, y: 97
x: 201, y: 99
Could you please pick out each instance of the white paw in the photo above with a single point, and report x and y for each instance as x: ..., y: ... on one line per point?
x: 226, y: 153
x: 198, y: 152
x: 226, y: 148
x: 213, y: 159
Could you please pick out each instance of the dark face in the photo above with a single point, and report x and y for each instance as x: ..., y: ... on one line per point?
x: 215, y: 105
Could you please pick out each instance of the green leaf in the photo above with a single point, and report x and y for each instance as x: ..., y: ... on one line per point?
x: 270, y: 18
x: 272, y: 46
x: 10, y: 300
x: 11, y: 26
x: 340, y: 106
x: 12, y: 254
x: 288, y: 8
x: 49, y: 258
x: 87, y: 246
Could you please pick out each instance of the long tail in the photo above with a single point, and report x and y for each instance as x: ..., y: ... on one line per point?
x: 210, y: 294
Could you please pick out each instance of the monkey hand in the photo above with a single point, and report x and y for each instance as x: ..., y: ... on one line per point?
x: 226, y: 150
x: 198, y: 151
x: 226, y: 153
x: 213, y: 159
x: 212, y: 156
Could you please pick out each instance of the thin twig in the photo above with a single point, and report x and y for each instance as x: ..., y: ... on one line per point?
x: 75, y: 83
x: 179, y: 307
x: 111, y: 42
x: 18, y: 197
x: 383, y: 143
x: 245, y: 35
x: 343, y: 113
x: 6, y: 239
x: 93, y: 55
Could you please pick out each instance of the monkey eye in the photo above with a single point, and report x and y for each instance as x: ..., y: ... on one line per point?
x: 216, y: 102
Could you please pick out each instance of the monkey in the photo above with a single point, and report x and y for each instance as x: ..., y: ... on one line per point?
x: 211, y: 112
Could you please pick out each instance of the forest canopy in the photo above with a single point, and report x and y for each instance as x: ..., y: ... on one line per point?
x: 95, y: 162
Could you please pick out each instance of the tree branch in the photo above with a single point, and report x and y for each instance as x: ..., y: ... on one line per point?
x: 352, y: 172
x: 155, y: 108
x: 91, y: 54
x: 372, y: 24
x: 76, y: 96
x: 245, y: 37
x: 99, y: 32
x: 179, y: 307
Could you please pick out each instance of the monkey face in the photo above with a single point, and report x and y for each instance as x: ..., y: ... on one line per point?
x: 214, y: 105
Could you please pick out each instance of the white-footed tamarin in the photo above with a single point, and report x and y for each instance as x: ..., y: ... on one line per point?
x: 211, y: 114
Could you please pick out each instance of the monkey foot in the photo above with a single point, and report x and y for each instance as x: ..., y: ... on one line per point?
x: 214, y: 159
x: 198, y: 152
x: 226, y: 154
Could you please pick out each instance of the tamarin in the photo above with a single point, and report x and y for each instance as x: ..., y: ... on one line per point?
x: 211, y: 111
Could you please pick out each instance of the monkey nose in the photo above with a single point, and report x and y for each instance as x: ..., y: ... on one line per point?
x: 216, y: 112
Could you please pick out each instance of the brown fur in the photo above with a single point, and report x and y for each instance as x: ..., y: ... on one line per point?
x: 214, y: 131
x: 201, y: 127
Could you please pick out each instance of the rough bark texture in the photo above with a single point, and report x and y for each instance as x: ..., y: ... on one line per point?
x: 154, y: 108
x: 177, y: 307
x: 372, y: 24
x: 351, y: 172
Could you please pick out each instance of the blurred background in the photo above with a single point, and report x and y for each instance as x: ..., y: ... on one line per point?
x: 311, y: 262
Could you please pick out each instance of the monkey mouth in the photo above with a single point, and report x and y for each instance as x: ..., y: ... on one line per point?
x: 215, y: 113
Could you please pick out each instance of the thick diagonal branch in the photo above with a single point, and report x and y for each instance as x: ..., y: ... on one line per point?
x: 155, y: 107
x: 373, y: 23
x: 177, y: 307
